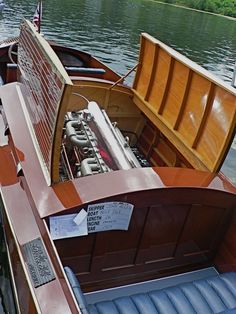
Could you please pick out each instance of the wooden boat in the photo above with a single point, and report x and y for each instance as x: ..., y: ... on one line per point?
x: 145, y: 224
x: 75, y: 62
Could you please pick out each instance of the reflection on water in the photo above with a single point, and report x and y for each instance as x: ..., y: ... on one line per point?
x: 110, y: 30
x: 229, y: 165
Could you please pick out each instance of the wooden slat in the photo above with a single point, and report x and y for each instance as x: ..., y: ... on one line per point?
x: 210, y: 99
x: 141, y: 54
x: 196, y: 113
x: 160, y: 81
x: 153, y: 143
x: 184, y: 101
x: 153, y: 74
x: 169, y: 78
x: 174, y: 138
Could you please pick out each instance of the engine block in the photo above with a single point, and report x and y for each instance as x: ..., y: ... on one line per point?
x: 92, y: 144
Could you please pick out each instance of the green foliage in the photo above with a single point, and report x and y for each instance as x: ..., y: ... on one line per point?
x: 225, y: 7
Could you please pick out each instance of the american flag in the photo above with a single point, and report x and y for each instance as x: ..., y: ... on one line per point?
x: 38, y: 16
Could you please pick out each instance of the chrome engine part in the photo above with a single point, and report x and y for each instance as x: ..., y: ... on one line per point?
x: 92, y: 144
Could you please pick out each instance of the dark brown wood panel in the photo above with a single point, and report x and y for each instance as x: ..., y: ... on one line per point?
x: 202, y: 231
x: 170, y: 229
x: 158, y: 243
x: 77, y: 252
x: 226, y: 256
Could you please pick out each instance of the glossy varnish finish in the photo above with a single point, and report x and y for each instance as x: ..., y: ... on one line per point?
x: 143, y: 252
x: 48, y: 84
x: 158, y: 149
x: 118, y: 103
x: 194, y: 110
x: 23, y: 224
x: 197, y: 218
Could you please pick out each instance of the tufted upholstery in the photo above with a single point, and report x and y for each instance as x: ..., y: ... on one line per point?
x: 77, y: 290
x: 213, y: 295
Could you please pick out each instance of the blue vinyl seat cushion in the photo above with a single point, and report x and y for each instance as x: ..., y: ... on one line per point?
x: 77, y: 290
x: 212, y: 295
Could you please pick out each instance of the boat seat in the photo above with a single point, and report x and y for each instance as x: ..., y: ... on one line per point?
x: 215, y: 294
x: 77, y: 290
x: 85, y: 70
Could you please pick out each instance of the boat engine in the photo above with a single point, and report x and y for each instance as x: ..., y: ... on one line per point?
x: 92, y: 144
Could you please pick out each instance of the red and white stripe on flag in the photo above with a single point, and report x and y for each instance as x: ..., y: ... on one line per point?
x: 38, y: 16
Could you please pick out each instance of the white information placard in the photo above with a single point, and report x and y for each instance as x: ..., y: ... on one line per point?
x: 66, y: 226
x: 109, y: 216
x: 99, y: 217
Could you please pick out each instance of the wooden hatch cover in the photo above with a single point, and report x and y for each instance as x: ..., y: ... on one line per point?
x: 49, y: 89
x: 191, y: 107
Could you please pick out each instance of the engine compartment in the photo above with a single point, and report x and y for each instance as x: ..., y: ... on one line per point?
x: 92, y: 144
